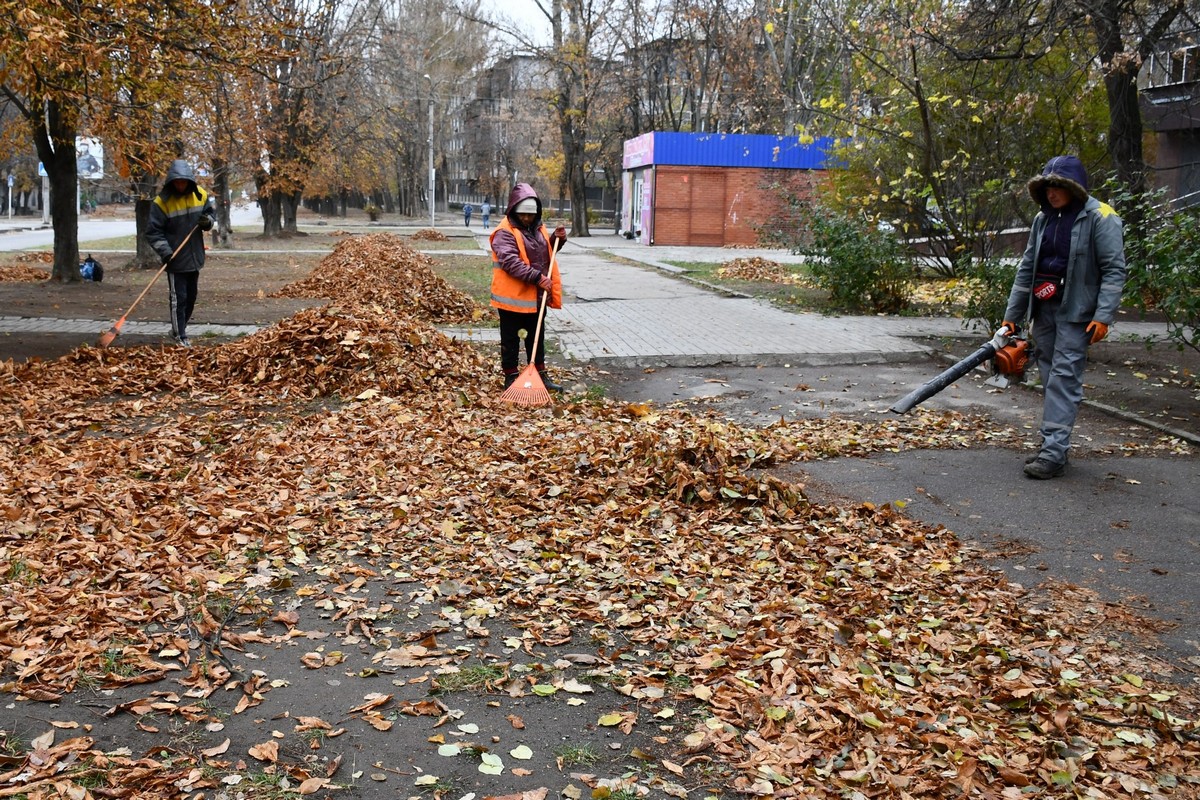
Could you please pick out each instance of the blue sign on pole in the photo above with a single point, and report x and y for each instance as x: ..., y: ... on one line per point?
x: 41, y: 170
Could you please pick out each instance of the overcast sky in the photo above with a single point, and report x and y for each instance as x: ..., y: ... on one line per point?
x: 525, y: 13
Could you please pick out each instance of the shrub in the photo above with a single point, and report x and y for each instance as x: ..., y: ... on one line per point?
x: 862, y: 268
x: 990, y: 281
x: 1164, y: 270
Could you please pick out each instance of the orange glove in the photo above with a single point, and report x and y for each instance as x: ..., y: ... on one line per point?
x: 1009, y: 328
x: 1098, y: 330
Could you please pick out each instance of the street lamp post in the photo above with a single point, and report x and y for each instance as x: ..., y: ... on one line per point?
x: 432, y: 185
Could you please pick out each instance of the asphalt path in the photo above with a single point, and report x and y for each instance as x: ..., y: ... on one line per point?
x: 27, y: 233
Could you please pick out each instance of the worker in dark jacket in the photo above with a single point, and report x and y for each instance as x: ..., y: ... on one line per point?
x: 1069, y: 283
x: 521, y: 252
x: 179, y: 210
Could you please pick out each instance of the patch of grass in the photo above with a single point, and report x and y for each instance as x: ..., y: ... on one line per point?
x: 469, y: 273
x: 786, y: 295
x: 624, y: 794
x: 577, y: 755
x: 113, y: 660
x: 19, y: 571
x: 678, y: 682
x: 442, y: 787
x: 464, y: 244
x: 11, y: 744
x: 263, y: 786
x: 474, y: 677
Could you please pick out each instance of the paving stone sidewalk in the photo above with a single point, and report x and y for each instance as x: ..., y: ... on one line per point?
x: 646, y: 314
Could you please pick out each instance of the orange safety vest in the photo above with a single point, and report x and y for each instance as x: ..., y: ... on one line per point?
x: 512, y: 294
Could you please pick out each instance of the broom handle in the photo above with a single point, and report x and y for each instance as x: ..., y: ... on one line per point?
x: 537, y: 333
x: 161, y: 270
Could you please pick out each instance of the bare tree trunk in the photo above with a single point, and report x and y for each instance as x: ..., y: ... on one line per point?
x: 220, y: 190
x: 290, y: 204
x: 270, y: 205
x: 145, y: 258
x: 1124, y: 115
x: 144, y: 190
x: 54, y: 137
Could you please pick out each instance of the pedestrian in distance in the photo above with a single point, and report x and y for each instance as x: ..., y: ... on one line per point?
x: 1069, y: 283
x: 467, y: 209
x: 485, y: 212
x: 522, y: 249
x: 180, y: 208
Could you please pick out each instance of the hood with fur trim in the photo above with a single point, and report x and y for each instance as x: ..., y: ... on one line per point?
x: 1063, y: 171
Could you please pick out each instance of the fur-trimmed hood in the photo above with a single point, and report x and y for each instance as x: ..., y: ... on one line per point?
x: 1064, y: 171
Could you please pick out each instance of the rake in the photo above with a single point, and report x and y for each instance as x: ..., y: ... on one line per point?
x: 109, y: 335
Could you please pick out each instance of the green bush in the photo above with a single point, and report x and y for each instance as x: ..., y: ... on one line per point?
x: 990, y: 281
x: 1163, y: 256
x: 862, y: 268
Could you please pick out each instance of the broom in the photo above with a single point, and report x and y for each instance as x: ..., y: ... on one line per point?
x: 107, y: 337
x: 529, y: 389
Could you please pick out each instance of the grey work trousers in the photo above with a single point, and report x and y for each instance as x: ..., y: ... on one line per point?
x: 1062, y: 349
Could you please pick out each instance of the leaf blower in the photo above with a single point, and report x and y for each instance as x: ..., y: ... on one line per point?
x: 1009, y: 354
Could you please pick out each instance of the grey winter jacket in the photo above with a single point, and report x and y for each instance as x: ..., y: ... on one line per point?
x: 1096, y: 271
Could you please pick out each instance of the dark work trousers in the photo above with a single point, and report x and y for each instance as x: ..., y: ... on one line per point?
x: 512, y: 323
x: 182, y: 287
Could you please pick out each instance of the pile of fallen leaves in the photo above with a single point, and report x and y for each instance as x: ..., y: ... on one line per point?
x: 22, y: 273
x: 382, y: 270
x: 429, y: 235
x: 944, y: 295
x: 757, y: 269
x: 36, y: 257
x: 831, y: 651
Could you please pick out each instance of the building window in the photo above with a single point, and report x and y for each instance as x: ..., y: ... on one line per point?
x: 1181, y: 65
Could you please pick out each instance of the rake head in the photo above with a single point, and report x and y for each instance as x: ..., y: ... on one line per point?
x: 527, y: 390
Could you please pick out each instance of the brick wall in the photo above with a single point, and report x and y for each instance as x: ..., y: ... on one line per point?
x: 717, y: 206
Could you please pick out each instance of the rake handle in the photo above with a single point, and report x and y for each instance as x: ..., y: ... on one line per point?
x: 161, y: 270
x: 537, y: 331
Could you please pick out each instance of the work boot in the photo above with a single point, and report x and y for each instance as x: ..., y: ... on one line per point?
x: 1043, y: 468
x: 509, y: 379
x: 1037, y: 455
x: 550, y: 385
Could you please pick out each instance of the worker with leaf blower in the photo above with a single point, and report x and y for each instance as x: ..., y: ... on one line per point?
x: 178, y: 210
x: 522, y: 251
x: 1069, y: 283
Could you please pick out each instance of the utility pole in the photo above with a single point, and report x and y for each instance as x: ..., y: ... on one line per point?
x: 432, y: 184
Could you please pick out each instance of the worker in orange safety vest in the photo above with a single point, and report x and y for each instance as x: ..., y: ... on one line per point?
x: 522, y: 248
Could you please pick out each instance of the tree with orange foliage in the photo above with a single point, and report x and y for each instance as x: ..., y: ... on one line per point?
x: 104, y: 69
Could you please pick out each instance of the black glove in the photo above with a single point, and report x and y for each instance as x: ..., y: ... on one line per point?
x: 205, y: 223
x: 558, y: 238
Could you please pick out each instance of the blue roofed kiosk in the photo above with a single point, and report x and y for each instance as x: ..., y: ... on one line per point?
x: 713, y: 189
